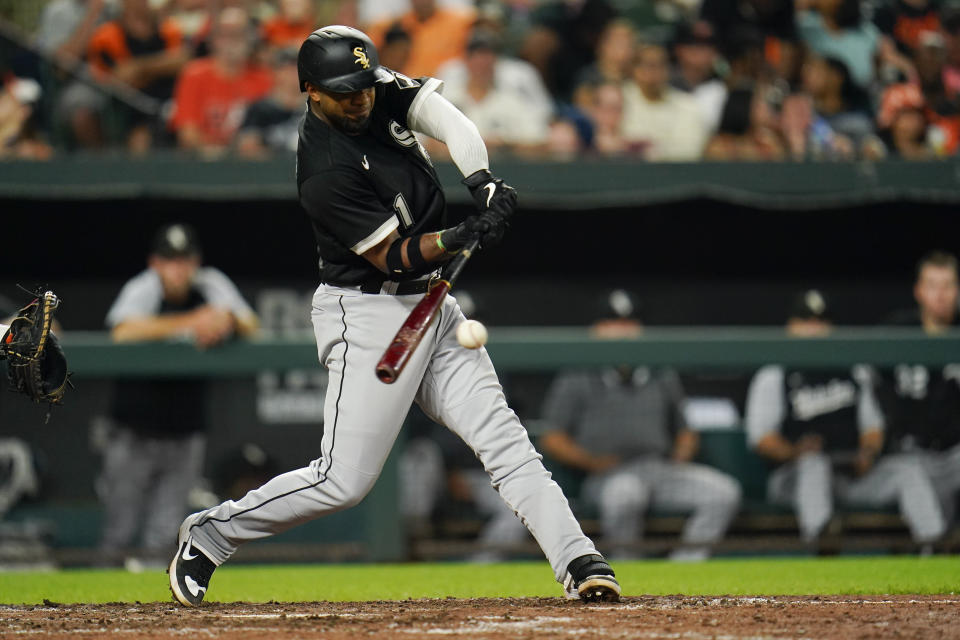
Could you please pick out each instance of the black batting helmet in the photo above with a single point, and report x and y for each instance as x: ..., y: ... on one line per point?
x: 340, y: 59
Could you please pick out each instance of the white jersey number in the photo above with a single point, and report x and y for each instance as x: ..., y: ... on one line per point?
x: 912, y: 381
x: 403, y: 211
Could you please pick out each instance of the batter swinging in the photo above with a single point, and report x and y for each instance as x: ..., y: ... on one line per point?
x: 378, y: 214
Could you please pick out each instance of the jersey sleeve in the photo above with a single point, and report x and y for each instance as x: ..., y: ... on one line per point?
x: 765, y: 404
x: 220, y: 291
x: 677, y: 400
x: 869, y: 415
x: 140, y: 297
x: 404, y: 96
x: 348, y: 208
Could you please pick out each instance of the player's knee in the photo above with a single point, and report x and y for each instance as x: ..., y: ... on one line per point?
x: 351, y: 488
x: 813, y: 462
x: 358, y: 493
x: 729, y: 493
x: 907, y: 472
x: 624, y: 492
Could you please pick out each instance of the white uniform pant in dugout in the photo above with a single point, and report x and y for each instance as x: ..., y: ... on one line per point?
x: 362, y: 416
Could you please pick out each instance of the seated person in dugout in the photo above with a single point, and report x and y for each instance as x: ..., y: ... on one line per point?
x: 624, y: 428
x: 921, y: 402
x: 822, y: 433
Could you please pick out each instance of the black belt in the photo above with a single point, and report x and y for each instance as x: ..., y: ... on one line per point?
x: 405, y: 288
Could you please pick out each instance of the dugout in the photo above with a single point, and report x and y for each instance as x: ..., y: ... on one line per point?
x: 705, y: 245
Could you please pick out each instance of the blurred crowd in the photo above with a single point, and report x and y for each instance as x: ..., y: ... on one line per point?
x: 666, y: 80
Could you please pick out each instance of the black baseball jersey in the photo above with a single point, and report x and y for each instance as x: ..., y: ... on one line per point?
x: 358, y: 189
x: 922, y: 403
x: 823, y: 403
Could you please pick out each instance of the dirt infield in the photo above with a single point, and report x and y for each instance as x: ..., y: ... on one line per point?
x: 692, y: 618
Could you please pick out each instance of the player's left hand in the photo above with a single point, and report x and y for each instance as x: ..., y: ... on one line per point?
x: 491, y: 194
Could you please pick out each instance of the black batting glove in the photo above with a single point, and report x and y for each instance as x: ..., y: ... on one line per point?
x: 496, y: 226
x: 491, y: 194
x: 454, y: 239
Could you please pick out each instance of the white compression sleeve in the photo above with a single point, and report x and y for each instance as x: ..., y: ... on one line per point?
x: 438, y: 118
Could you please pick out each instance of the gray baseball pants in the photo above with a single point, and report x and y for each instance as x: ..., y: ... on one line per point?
x: 362, y: 417
x: 943, y: 468
x: 624, y: 494
x: 144, y: 486
x: 810, y: 486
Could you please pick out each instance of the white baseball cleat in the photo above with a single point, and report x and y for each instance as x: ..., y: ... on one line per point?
x: 190, y: 569
x: 591, y: 579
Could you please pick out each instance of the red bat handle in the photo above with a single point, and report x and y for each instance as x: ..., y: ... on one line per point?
x: 397, y: 355
x: 411, y: 332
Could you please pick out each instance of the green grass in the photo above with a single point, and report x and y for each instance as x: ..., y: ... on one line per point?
x: 787, y: 576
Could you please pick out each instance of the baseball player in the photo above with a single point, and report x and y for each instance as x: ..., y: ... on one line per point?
x: 378, y: 214
x: 623, y: 429
x: 155, y: 453
x: 822, y: 431
x: 922, y: 402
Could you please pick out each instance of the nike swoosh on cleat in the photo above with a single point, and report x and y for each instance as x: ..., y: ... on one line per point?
x: 186, y: 555
x: 194, y: 588
x: 492, y: 189
x: 366, y: 165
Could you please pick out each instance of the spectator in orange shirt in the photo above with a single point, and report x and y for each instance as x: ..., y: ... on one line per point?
x: 291, y: 26
x: 437, y: 34
x: 139, y: 51
x: 930, y: 111
x: 213, y: 93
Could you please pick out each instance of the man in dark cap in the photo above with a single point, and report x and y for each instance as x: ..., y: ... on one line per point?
x: 625, y: 430
x: 155, y: 450
x: 822, y: 432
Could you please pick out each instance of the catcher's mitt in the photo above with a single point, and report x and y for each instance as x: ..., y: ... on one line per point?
x: 36, y: 364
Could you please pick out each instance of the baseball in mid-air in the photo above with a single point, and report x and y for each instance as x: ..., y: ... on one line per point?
x: 471, y: 334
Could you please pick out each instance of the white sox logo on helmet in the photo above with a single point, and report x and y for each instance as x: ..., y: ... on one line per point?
x: 362, y: 59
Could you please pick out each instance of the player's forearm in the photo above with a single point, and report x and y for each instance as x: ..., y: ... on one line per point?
x: 152, y: 328
x: 776, y: 448
x: 246, y: 325
x: 871, y: 441
x: 430, y: 252
x: 685, y: 445
x: 566, y: 451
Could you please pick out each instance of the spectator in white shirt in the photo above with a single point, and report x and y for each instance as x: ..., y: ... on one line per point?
x: 503, y: 112
x: 666, y: 121
x: 509, y: 74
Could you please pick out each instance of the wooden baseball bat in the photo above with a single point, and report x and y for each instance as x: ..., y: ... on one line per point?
x: 397, y: 355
